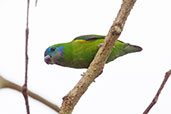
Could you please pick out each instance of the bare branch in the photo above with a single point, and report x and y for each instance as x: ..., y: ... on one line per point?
x: 24, y: 88
x: 36, y: 2
x: 155, y: 99
x: 4, y: 83
x: 96, y: 67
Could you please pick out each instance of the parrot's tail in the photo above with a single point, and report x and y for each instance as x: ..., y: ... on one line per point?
x: 132, y: 48
x: 124, y: 49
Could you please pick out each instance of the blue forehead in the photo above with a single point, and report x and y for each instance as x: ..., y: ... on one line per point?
x: 59, y: 49
x: 47, y: 51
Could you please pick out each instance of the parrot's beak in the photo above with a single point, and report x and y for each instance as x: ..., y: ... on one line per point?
x: 47, y: 59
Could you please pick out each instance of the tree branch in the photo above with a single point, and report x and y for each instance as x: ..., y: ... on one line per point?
x: 96, y: 67
x: 36, y: 2
x: 7, y: 84
x: 155, y: 99
x: 24, y: 88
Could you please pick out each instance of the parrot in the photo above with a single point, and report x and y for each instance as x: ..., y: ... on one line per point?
x: 79, y: 52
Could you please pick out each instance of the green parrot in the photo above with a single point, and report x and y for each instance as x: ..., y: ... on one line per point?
x: 80, y: 52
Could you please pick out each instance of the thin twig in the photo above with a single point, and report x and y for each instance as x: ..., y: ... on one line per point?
x: 4, y: 83
x: 36, y: 2
x: 155, y: 99
x: 24, y: 88
x: 96, y: 66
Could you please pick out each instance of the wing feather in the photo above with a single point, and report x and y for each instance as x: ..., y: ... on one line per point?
x: 88, y: 38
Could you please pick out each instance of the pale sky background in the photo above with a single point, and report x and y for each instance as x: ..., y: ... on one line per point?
x: 126, y: 86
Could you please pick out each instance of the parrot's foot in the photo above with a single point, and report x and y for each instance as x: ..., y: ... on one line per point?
x: 83, y: 74
x: 96, y: 76
x: 100, y: 45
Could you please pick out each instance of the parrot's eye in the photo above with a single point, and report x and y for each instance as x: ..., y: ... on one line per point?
x: 52, y: 49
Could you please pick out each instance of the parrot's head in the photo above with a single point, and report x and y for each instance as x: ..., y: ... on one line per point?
x: 53, y: 54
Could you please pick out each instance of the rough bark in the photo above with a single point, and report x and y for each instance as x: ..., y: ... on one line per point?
x: 96, y: 67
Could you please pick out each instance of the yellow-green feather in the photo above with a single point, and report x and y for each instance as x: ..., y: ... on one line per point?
x: 81, y: 51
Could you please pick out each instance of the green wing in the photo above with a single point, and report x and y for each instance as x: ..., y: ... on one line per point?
x: 89, y: 37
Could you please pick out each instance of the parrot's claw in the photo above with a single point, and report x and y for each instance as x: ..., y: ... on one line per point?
x: 99, y: 45
x: 83, y: 74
